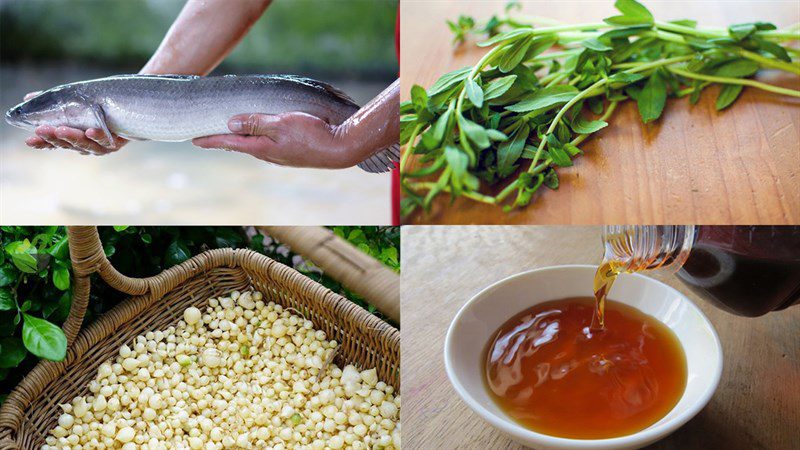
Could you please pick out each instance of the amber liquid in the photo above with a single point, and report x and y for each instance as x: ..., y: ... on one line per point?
x: 547, y: 370
x: 604, y: 278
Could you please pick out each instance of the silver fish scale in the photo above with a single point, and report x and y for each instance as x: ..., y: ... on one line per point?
x: 167, y: 109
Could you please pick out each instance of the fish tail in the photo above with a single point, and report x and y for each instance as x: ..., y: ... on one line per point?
x: 381, y: 161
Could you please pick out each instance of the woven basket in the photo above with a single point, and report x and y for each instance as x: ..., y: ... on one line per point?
x: 31, y: 410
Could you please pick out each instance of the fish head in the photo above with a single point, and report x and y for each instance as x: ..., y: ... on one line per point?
x: 61, y: 106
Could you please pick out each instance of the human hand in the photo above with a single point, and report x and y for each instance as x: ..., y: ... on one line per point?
x: 90, y: 142
x: 290, y: 139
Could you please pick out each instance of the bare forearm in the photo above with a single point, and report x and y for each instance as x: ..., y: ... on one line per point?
x: 204, y: 33
x: 373, y: 127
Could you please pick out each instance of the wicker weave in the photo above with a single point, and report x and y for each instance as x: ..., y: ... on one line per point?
x: 31, y: 410
x: 358, y: 271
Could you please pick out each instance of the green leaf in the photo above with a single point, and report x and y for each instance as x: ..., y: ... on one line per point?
x: 18, y: 247
x: 508, y: 36
x: 551, y: 180
x: 419, y: 97
x: 596, y: 45
x: 60, y: 250
x: 545, y: 98
x: 559, y: 156
x: 633, y: 13
x: 7, y: 300
x: 147, y: 238
x: 774, y: 49
x: 119, y: 228
x: 539, y: 45
x: 572, y: 149
x: 58, y: 311
x: 433, y: 137
x: 737, y: 69
x: 7, y: 276
x: 496, y: 135
x: 474, y: 92
x: 652, y: 98
x: 449, y: 80
x: 498, y: 87
x: 727, y: 95
x: 61, y: 278
x: 741, y: 31
x: 176, y: 253
x: 458, y: 162
x: 43, y: 338
x: 514, y: 55
x: 584, y: 126
x: 12, y: 352
x: 24, y: 262
x: 623, y: 78
x: 509, y: 152
x: 474, y: 132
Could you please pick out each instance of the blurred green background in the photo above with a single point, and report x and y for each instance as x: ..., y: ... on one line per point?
x: 326, y: 38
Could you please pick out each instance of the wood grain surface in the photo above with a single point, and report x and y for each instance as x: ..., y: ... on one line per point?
x: 695, y: 165
x: 757, y: 403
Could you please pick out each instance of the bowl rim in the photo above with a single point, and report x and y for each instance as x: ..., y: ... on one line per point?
x: 643, y: 437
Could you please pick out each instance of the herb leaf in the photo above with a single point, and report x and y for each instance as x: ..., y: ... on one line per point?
x: 509, y: 151
x: 653, y: 97
x: 474, y: 92
x: 545, y: 98
x: 583, y: 126
x: 727, y: 95
x: 498, y: 87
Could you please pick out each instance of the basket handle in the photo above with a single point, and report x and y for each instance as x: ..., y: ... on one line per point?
x: 88, y: 257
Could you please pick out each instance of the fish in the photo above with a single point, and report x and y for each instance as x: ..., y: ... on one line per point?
x: 174, y: 108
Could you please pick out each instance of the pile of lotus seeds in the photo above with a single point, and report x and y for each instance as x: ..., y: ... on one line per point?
x: 244, y: 374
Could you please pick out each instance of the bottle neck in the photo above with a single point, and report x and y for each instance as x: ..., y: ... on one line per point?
x: 648, y: 247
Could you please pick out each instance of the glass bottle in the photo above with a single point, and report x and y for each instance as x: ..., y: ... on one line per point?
x: 746, y: 270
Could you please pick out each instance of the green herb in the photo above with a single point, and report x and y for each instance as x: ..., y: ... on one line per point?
x: 516, y: 116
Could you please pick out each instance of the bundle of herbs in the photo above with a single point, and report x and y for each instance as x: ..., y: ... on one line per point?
x: 521, y: 105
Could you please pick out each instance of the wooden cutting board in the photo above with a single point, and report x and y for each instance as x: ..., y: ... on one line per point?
x: 695, y: 165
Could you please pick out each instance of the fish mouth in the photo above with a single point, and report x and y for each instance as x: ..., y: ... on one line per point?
x: 16, y: 120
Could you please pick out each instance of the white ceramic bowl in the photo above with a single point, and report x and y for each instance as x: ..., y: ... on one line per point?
x: 483, y: 314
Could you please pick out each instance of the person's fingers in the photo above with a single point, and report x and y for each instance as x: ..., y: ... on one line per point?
x: 235, y: 142
x: 78, y: 140
x: 97, y: 135
x: 30, y: 95
x: 37, y: 142
x: 48, y: 134
x: 255, y: 124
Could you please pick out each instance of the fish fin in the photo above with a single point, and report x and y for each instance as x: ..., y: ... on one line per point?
x: 382, y: 161
x: 163, y: 77
x: 334, y: 91
x: 100, y: 116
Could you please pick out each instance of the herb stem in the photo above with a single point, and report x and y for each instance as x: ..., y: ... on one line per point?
x: 555, y: 55
x: 409, y: 148
x: 742, y: 81
x: 429, y: 185
x: 586, y: 92
x: 507, y: 191
x: 688, y: 30
x: 606, y: 114
x: 769, y: 62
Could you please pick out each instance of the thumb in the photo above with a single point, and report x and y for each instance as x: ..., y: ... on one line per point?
x: 253, y: 124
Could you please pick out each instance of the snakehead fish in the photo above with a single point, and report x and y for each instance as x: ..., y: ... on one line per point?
x: 182, y: 107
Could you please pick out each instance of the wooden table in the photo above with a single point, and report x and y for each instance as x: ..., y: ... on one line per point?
x: 695, y: 165
x: 757, y: 403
